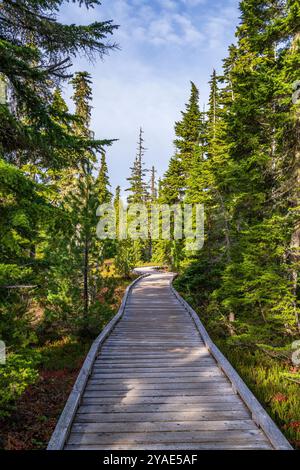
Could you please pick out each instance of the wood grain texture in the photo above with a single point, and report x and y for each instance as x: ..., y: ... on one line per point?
x: 64, y: 423
x: 156, y: 381
x: 259, y: 415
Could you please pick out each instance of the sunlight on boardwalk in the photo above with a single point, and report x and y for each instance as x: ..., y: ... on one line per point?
x: 154, y: 385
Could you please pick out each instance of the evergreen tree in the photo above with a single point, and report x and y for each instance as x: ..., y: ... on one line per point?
x: 103, y: 184
x: 125, y: 259
x: 82, y: 196
x: 107, y: 247
x: 35, y: 55
x: 152, y: 200
x: 138, y: 194
x: 286, y: 29
x: 137, y: 188
x: 189, y: 134
x: 189, y: 139
x: 117, y: 200
x: 62, y: 181
x: 248, y: 177
x: 153, y: 186
x: 85, y: 200
x: 40, y: 157
x: 189, y: 131
x: 255, y: 124
x: 173, y: 183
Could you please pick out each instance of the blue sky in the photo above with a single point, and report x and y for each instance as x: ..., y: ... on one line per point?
x: 163, y: 45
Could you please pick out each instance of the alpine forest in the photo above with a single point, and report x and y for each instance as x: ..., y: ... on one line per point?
x: 235, y: 155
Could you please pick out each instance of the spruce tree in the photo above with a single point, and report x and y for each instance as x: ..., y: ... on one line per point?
x: 138, y: 194
x: 85, y: 200
x: 189, y: 135
x: 117, y: 200
x: 138, y: 188
x: 79, y: 243
x: 286, y: 30
x: 189, y: 139
x: 102, y: 182
x: 153, y: 186
x: 248, y: 177
x: 125, y: 257
x: 39, y: 169
x: 188, y: 131
x: 35, y: 56
x: 107, y: 247
x: 257, y: 127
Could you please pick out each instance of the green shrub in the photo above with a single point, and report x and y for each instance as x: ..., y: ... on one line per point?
x: 273, y: 382
x: 64, y: 354
x: 90, y: 326
x: 15, y: 376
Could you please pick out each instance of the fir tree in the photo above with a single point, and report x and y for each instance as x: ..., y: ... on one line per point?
x: 138, y: 194
x: 153, y: 186
x: 35, y: 55
x: 80, y: 244
x: 125, y: 258
x: 189, y: 139
x: 85, y: 199
x: 103, y: 184
x: 107, y: 247
x: 117, y: 200
x: 249, y: 171
x: 189, y: 130
x: 137, y: 188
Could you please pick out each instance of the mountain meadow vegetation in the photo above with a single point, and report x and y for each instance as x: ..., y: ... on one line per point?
x: 239, y: 157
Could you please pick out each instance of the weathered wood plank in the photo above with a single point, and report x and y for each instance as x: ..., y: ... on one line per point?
x: 146, y: 368
x: 175, y: 446
x: 238, y: 437
x: 146, y: 374
x: 150, y: 408
x: 156, y: 383
x: 201, y: 377
x: 217, y: 390
x: 260, y: 416
x: 164, y: 386
x: 171, y: 426
x: 64, y: 423
x: 145, y: 361
x: 179, y: 400
x: 143, y: 348
x: 157, y: 357
x: 148, y: 344
x: 138, y: 366
x: 162, y: 417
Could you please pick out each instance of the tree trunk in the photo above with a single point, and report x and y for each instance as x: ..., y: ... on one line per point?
x: 226, y: 227
x: 295, y: 240
x: 85, y: 278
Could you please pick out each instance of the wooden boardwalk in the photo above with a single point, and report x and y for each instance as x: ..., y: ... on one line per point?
x: 154, y: 384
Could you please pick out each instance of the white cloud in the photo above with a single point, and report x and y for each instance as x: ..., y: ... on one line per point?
x: 124, y: 107
x: 217, y: 26
x: 169, y: 4
x: 147, y: 82
x: 143, y: 22
x: 194, y: 3
x: 173, y: 29
x: 190, y: 33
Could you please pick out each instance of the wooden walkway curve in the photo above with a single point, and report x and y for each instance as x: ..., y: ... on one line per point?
x: 152, y: 383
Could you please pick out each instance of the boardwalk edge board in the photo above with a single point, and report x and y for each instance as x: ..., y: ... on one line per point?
x: 259, y: 414
x: 260, y: 417
x: 65, y: 421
